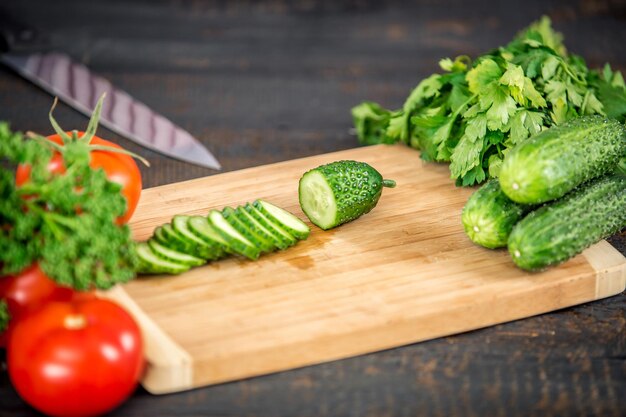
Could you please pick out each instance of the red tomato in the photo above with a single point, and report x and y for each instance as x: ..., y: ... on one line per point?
x: 27, y: 291
x: 79, y: 358
x: 119, y: 168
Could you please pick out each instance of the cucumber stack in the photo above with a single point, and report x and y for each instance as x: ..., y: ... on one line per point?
x: 564, y: 176
x: 249, y: 231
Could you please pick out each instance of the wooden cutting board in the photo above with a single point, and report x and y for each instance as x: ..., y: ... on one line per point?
x: 401, y: 274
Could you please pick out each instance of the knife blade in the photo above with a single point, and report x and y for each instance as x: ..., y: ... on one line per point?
x: 77, y: 86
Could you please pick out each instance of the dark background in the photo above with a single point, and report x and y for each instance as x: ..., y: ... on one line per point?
x: 260, y: 82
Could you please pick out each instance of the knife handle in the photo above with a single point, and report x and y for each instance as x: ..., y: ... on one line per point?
x: 15, y: 36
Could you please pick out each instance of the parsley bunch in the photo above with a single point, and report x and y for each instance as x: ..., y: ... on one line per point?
x: 65, y: 222
x: 473, y: 113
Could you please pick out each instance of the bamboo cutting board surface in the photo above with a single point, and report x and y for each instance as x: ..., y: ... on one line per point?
x: 403, y: 273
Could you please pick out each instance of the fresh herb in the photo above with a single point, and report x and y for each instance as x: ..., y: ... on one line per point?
x: 473, y: 113
x: 66, y: 222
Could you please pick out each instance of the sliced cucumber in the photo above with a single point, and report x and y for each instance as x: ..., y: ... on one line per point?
x: 150, y: 263
x: 172, y: 239
x: 173, y: 255
x: 257, y: 239
x: 201, y: 227
x: 235, y: 240
x: 253, y: 223
x: 200, y: 248
x: 282, y: 217
x: 159, y: 235
x: 287, y: 238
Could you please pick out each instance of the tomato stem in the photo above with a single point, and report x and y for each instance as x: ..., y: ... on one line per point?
x: 64, y: 136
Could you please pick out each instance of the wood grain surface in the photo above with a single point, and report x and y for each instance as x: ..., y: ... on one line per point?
x: 268, y: 81
x: 403, y: 273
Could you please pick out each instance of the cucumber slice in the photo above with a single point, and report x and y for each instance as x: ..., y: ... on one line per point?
x: 173, y: 255
x: 235, y: 240
x: 261, y: 242
x: 287, y: 238
x: 159, y: 235
x: 317, y: 200
x: 254, y: 224
x: 286, y: 220
x: 199, y: 247
x: 200, y: 226
x: 173, y: 240
x: 150, y: 263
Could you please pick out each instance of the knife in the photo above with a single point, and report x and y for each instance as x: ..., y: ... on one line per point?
x: 24, y: 50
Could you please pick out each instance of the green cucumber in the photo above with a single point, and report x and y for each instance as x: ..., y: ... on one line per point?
x: 172, y: 239
x: 150, y: 263
x: 282, y: 217
x: 489, y: 215
x: 287, y: 238
x: 339, y: 192
x: 197, y: 246
x: 261, y: 242
x: 159, y: 235
x: 201, y: 227
x: 174, y: 255
x: 558, y: 231
x: 555, y: 161
x: 247, y: 219
x: 237, y: 242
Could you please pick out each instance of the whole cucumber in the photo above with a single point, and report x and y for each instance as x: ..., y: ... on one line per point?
x: 557, y: 160
x: 489, y: 215
x: 557, y: 231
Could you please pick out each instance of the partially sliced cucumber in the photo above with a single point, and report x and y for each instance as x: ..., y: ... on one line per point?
x: 253, y: 223
x: 150, y: 263
x: 285, y: 236
x: 173, y: 255
x: 280, y: 216
x: 199, y: 247
x: 235, y: 240
x: 317, y: 200
x: 257, y: 239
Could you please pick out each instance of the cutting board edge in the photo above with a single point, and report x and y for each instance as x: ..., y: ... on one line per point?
x: 169, y: 367
x: 610, y: 267
x: 553, y: 292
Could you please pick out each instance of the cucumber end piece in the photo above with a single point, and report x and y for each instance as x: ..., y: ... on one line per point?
x: 317, y: 200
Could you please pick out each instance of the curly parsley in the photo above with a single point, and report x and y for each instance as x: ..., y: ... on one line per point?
x: 65, y: 222
x: 471, y: 114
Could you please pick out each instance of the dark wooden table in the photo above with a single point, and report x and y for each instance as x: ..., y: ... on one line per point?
x: 260, y: 82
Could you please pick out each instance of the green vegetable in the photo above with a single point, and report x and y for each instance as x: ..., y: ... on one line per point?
x: 174, y: 255
x: 473, y: 113
x: 234, y: 239
x: 196, y: 245
x: 151, y: 263
x: 489, y: 215
x: 557, y: 160
x: 290, y: 223
x: 264, y: 244
x: 286, y: 238
x: 39, y: 221
x: 340, y: 192
x: 250, y: 222
x: 194, y: 240
x: 200, y: 226
x: 564, y: 228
